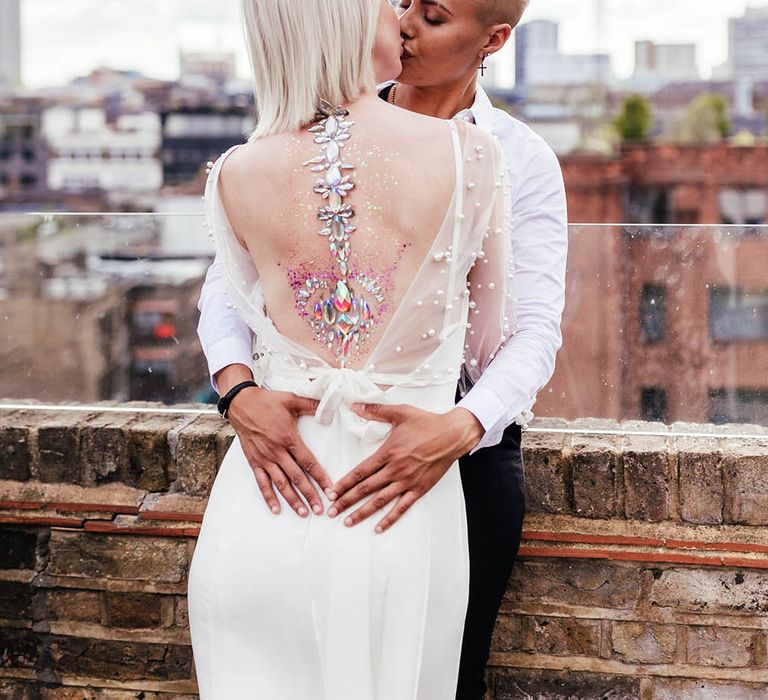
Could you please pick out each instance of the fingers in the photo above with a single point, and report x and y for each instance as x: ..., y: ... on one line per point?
x: 374, y: 504
x: 384, y: 413
x: 365, y: 488
x: 397, y: 511
x: 302, y: 483
x: 265, y: 486
x: 302, y: 406
x: 308, y: 462
x: 285, y: 487
x: 362, y: 471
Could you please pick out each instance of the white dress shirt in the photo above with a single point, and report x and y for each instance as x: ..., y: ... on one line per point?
x: 507, y: 389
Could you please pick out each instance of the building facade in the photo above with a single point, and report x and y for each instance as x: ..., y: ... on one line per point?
x: 657, y: 65
x: 667, y: 320
x: 539, y: 61
x: 748, y: 44
x: 10, y: 44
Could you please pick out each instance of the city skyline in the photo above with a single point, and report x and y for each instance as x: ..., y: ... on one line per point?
x: 125, y: 40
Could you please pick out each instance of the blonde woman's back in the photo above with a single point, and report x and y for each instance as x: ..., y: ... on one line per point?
x: 404, y: 173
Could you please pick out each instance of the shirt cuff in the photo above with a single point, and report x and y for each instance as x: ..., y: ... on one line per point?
x: 489, y: 409
x: 224, y: 352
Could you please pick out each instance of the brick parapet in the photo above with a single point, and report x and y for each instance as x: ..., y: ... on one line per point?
x: 644, y: 562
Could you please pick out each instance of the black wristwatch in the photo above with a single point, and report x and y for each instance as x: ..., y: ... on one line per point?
x: 223, y: 404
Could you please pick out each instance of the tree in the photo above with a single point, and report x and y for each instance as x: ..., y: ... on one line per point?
x: 635, y: 120
x: 706, y: 120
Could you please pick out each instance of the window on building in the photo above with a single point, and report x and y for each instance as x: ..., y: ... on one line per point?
x: 653, y: 313
x: 738, y: 406
x: 747, y: 206
x: 737, y: 314
x: 653, y: 404
x: 28, y: 180
x: 649, y: 205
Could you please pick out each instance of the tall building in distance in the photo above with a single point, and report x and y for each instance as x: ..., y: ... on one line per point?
x: 539, y: 62
x: 657, y: 65
x: 10, y: 43
x: 748, y: 44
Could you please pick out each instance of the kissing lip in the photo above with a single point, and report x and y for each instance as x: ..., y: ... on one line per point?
x: 406, y: 54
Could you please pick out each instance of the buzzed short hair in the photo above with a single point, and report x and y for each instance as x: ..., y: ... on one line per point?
x: 495, y: 11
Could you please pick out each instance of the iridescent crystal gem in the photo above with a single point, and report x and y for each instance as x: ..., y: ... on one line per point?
x: 333, y: 176
x: 329, y: 312
x: 331, y: 125
x: 317, y: 311
x: 342, y: 298
x: 354, y: 313
x: 344, y: 323
x: 366, y: 310
x: 332, y: 151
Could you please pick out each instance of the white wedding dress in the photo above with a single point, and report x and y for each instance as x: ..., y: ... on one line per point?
x: 287, y: 608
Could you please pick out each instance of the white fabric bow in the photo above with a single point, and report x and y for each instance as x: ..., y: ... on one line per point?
x: 337, y: 389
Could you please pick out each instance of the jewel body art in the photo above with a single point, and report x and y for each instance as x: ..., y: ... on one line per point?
x: 340, y: 311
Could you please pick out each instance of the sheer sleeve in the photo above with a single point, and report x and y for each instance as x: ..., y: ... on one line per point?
x: 489, y: 280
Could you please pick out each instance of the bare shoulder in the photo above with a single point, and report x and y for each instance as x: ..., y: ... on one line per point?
x: 245, y: 161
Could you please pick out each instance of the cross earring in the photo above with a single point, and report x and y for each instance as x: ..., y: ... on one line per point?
x: 483, y: 67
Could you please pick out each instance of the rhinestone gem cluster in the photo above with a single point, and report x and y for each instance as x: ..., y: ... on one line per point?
x: 340, y: 316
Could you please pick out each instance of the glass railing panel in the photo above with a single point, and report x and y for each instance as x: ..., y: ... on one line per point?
x: 662, y: 323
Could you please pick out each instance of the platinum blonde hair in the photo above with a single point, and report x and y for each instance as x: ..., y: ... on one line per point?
x: 304, y: 50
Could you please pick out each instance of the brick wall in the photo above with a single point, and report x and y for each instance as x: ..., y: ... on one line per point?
x: 643, y: 570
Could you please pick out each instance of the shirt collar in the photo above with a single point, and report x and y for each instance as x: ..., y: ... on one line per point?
x: 481, y: 110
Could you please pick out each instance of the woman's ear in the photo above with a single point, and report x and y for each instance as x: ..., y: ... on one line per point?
x: 498, y: 37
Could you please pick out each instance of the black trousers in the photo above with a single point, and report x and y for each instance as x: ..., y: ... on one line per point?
x: 493, y: 479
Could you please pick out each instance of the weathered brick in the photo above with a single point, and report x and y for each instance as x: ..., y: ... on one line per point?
x: 196, y: 454
x: 547, y: 474
x: 134, y: 610
x: 20, y: 689
x: 730, y: 591
x: 18, y: 547
x: 688, y: 689
x: 508, y: 634
x: 150, y: 460
x: 701, y: 480
x: 58, y: 441
x: 181, y: 613
x: 18, y: 648
x: 74, y: 605
x: 103, y: 449
x: 591, y: 583
x: 646, y: 478
x: 593, y: 467
x: 15, y: 458
x: 638, y: 642
x: 16, y: 600
x: 89, y: 555
x: 745, y: 478
x: 119, y: 660
x: 720, y: 646
x: 515, y: 684
x: 564, y: 636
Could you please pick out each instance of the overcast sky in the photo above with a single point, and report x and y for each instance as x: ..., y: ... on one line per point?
x: 63, y: 39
